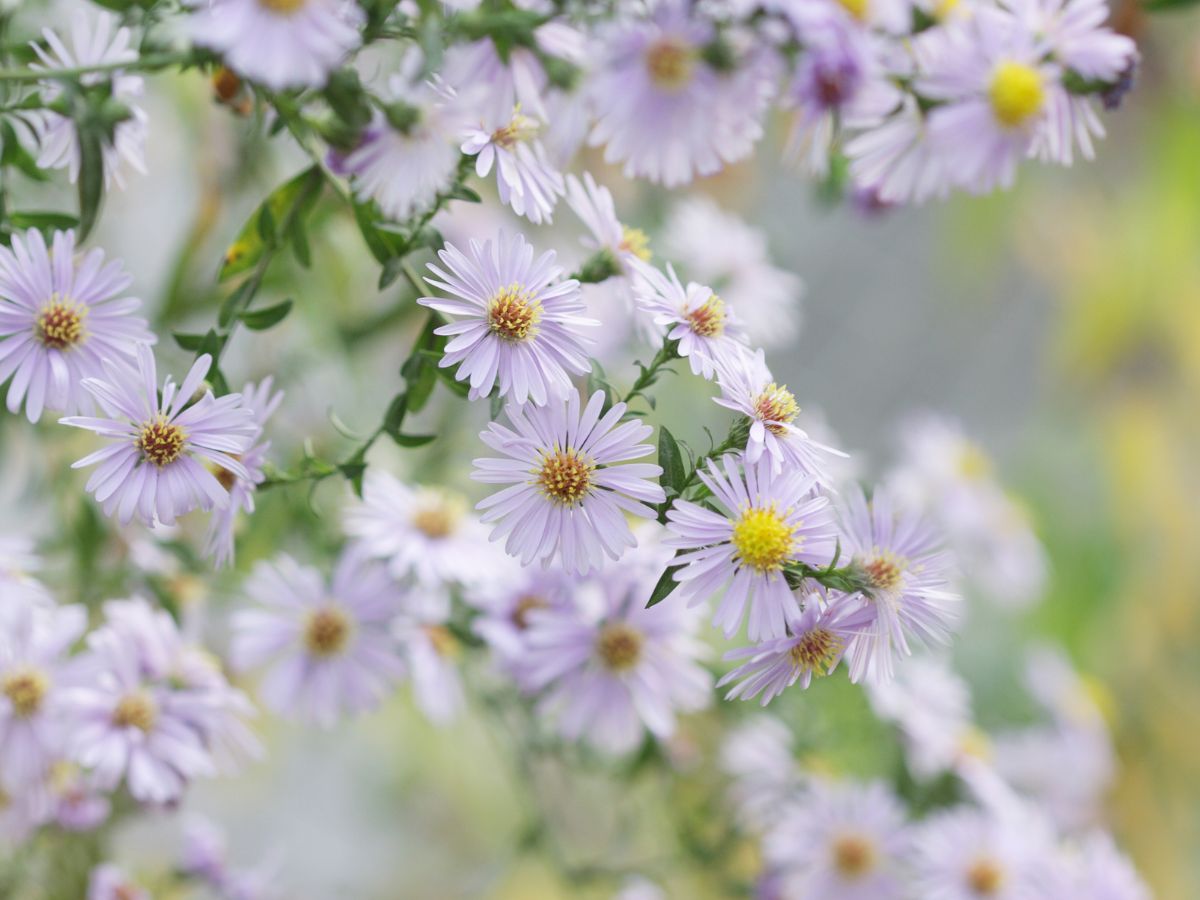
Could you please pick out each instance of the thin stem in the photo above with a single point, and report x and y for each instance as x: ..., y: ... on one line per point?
x: 144, y: 64
x: 668, y: 352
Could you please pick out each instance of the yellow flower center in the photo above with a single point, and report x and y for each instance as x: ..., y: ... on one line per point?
x: 520, y: 128
x: 513, y: 314
x: 885, y: 571
x: 816, y: 651
x: 853, y: 855
x: 283, y: 7
x: 635, y: 241
x: 670, y: 63
x: 619, y: 647
x: 1016, y: 92
x: 763, y: 538
x: 26, y: 689
x: 566, y: 476
x: 326, y: 632
x: 136, y: 710
x: 973, y: 463
x: 445, y: 644
x: 975, y: 743
x: 708, y: 319
x: 943, y: 8
x: 59, y: 325
x: 161, y: 442
x: 438, y: 514
x: 776, y: 406
x: 524, y: 606
x: 985, y: 877
x: 857, y: 8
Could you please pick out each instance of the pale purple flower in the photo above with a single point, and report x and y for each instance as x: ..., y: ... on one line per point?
x: 815, y: 644
x: 607, y: 669
x: 59, y: 317
x: 767, y: 520
x: 747, y: 387
x: 708, y: 331
x: 430, y: 654
x: 97, y: 41
x: 1093, y: 869
x: 155, y: 463
x: 327, y: 648
x: 571, y: 482
x: 283, y: 43
x: 492, y: 87
x: 760, y: 758
x: 894, y: 161
x: 78, y: 803
x: 525, y: 178
x: 424, y: 533
x: 205, y: 857
x: 841, y: 841
x: 515, y: 322
x: 220, y: 542
x: 662, y: 111
x: 971, y: 854
x: 593, y: 204
x: 108, y: 882
x: 907, y: 576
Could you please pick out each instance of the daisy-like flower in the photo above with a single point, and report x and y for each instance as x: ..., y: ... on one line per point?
x: 608, y: 669
x: 767, y: 521
x: 747, y: 387
x: 94, y: 42
x: 328, y: 648
x: 815, y: 645
x: 59, y: 317
x: 894, y: 162
x: 708, y: 332
x: 155, y: 465
x: 760, y: 758
x: 279, y: 43
x: 431, y: 654
x: 662, y: 110
x: 1094, y: 869
x: 259, y: 399
x: 423, y: 533
x: 593, y: 203
x: 907, y: 575
x: 571, y: 480
x: 525, y: 178
x: 841, y: 841
x: 971, y: 854
x: 516, y: 323
x: 109, y: 882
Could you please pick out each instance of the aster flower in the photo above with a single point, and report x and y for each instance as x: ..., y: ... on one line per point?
x: 1094, y: 869
x: 706, y: 328
x: 894, y: 162
x: 593, y: 204
x: 95, y: 42
x: 109, y: 882
x: 78, y: 804
x: 279, y: 43
x: 767, y: 520
x: 907, y: 575
x: 262, y: 402
x: 59, y: 317
x: 327, y: 648
x: 525, y: 178
x: 817, y: 639
x: 665, y: 113
x: 155, y: 465
x: 841, y: 841
x: 423, y: 533
x: 747, y: 387
x: 515, y: 322
x: 571, y: 482
x: 971, y: 854
x: 430, y: 653
x: 760, y: 758
x: 608, y: 669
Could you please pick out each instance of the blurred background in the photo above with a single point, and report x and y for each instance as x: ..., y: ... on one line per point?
x: 1059, y: 324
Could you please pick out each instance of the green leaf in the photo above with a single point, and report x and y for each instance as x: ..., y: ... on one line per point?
x: 670, y: 458
x: 413, y: 440
x: 383, y: 244
x: 13, y: 153
x: 393, y: 420
x: 268, y: 317
x: 91, y: 178
x: 239, y: 299
x: 43, y: 221
x: 284, y: 204
x: 666, y: 584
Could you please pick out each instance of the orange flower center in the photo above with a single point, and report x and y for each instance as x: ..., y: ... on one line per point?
x: 566, y: 476
x: 619, y: 647
x: 59, y: 325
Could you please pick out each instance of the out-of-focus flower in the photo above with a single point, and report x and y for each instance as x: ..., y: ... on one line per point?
x: 525, y: 178
x: 841, y: 841
x: 205, y: 857
x: 109, y: 882
x: 1094, y: 869
x: 279, y: 43
x: 767, y: 521
x: 760, y: 758
x: 59, y: 317
x: 328, y: 649
x: 571, y: 482
x: 94, y: 43
x: 893, y: 161
x: 431, y: 654
x: 899, y: 555
x: 966, y: 854
x: 515, y: 323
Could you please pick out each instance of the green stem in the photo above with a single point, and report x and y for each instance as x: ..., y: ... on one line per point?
x: 668, y: 352
x: 144, y: 64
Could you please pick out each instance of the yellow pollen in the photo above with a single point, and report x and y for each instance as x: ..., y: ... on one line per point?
x: 777, y: 407
x: 619, y: 647
x: 524, y: 606
x: 438, y: 514
x: 520, y: 128
x: 326, y: 632
x: 973, y: 742
x: 708, y: 319
x: 763, y: 538
x: 973, y: 463
x: 224, y: 477
x: 59, y: 325
x: 635, y: 241
x: 135, y: 710
x: 944, y: 8
x: 853, y: 855
x: 816, y: 651
x: 670, y: 63
x: 885, y: 571
x: 284, y: 7
x: 444, y: 643
x: 566, y: 476
x: 161, y: 442
x: 1016, y: 93
x: 857, y: 8
x: 985, y: 877
x: 513, y: 314
x: 25, y: 688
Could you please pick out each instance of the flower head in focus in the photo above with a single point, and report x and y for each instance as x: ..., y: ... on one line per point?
x: 525, y: 179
